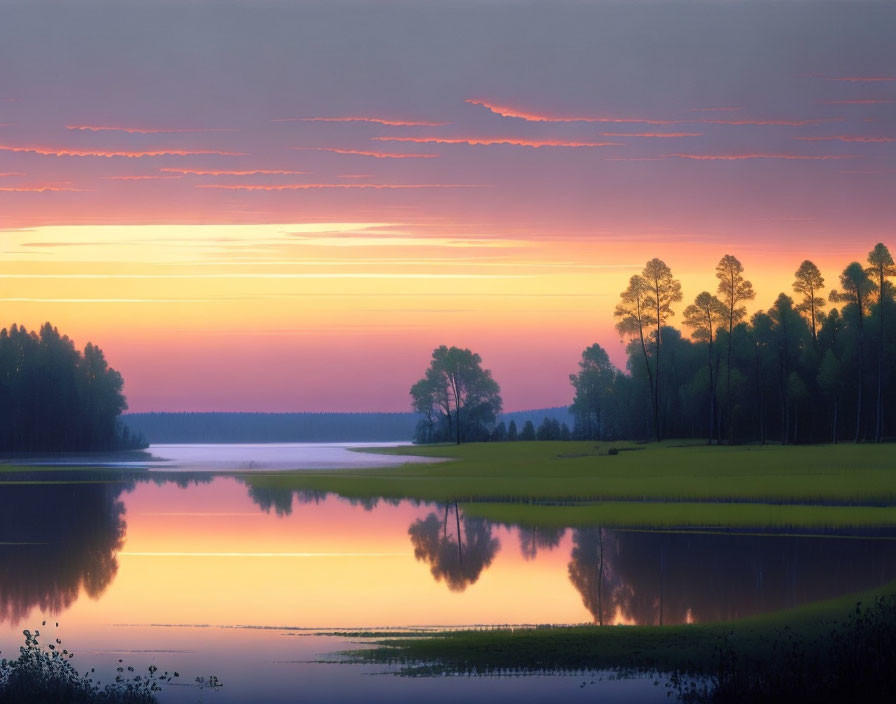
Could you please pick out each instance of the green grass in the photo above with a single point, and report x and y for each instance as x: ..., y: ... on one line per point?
x: 686, y: 648
x: 555, y: 484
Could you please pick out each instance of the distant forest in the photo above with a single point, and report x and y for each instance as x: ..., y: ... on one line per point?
x: 293, y: 427
x: 54, y: 397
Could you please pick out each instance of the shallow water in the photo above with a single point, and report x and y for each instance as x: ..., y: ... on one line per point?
x: 214, y: 575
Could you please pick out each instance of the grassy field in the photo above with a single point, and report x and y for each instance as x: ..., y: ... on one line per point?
x: 555, y: 484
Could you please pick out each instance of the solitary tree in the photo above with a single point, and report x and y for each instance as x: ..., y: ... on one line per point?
x: 734, y: 290
x: 456, y: 385
x: 808, y: 283
x: 881, y: 267
x: 857, y: 289
x: 704, y: 316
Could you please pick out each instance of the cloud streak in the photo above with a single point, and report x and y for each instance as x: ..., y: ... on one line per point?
x: 529, y: 116
x: 233, y: 172
x: 863, y: 79
x: 146, y: 130
x: 319, y: 186
x: 848, y: 138
x: 373, y: 120
x: 489, y: 141
x: 655, y: 135
x: 109, y: 153
x: 742, y: 157
x: 373, y: 154
x: 869, y: 101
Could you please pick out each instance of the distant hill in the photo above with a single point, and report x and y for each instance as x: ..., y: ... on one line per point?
x: 296, y: 427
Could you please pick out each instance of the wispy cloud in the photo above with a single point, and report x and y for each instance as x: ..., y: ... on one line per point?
x: 847, y: 138
x: 725, y: 108
x: 37, y: 189
x: 233, y: 172
x: 374, y: 120
x: 657, y: 135
x: 374, y: 154
x: 108, y: 153
x: 488, y: 141
x: 146, y: 130
x: 530, y: 116
x: 779, y: 123
x: 313, y: 186
x: 152, y: 177
x: 741, y: 157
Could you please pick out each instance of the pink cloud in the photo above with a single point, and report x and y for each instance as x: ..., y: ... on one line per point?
x: 313, y: 186
x: 739, y: 157
x: 488, y: 141
x: 232, y: 172
x: 847, y: 138
x: 659, y: 135
x: 62, y: 151
x: 784, y: 123
x: 506, y: 111
x: 374, y: 154
x: 142, y: 178
x: 373, y: 120
x: 145, y: 130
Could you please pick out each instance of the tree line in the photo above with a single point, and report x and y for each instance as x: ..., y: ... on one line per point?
x: 54, y: 397
x: 809, y: 368
x: 794, y: 372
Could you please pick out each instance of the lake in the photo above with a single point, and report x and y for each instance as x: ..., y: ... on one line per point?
x: 208, y: 574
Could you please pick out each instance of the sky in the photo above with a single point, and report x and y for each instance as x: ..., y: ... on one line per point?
x: 285, y: 206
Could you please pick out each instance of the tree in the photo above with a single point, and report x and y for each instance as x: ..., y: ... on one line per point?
x: 734, y: 290
x: 464, y: 395
x: 593, y: 387
x: 54, y: 397
x: 788, y: 331
x: 881, y: 267
x: 830, y: 379
x: 857, y: 289
x: 512, y: 434
x: 528, y: 433
x: 647, y: 302
x: 808, y: 283
x: 704, y: 316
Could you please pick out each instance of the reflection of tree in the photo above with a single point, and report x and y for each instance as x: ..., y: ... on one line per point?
x: 533, y: 539
x: 456, y: 551
x: 57, y: 539
x: 271, y: 497
x: 667, y: 578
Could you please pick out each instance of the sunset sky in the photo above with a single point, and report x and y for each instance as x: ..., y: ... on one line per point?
x: 286, y: 206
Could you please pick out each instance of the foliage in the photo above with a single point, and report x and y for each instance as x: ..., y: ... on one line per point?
x: 54, y: 397
x: 459, y: 400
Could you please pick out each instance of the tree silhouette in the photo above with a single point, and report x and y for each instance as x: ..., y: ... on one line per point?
x: 593, y: 386
x: 881, y: 268
x: 734, y: 290
x: 808, y: 283
x: 704, y: 316
x: 857, y: 290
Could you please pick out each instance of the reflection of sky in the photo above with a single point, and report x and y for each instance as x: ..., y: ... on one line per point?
x: 378, y: 180
x: 220, y: 578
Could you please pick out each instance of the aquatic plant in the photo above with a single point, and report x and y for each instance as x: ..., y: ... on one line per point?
x: 45, y: 674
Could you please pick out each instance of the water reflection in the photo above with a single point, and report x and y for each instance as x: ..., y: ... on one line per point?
x: 456, y: 550
x: 61, y: 537
x: 669, y: 578
x: 57, y: 539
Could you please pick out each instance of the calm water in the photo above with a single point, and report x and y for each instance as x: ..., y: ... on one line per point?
x: 210, y: 574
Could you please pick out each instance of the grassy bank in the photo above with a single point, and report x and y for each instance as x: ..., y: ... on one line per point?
x: 556, y: 484
x: 693, y: 648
